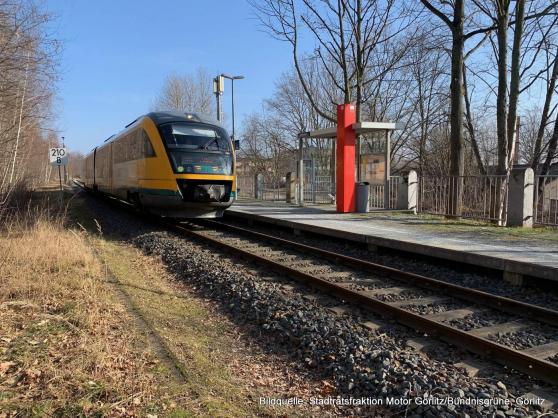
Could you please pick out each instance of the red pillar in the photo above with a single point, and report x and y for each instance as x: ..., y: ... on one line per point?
x: 345, y: 188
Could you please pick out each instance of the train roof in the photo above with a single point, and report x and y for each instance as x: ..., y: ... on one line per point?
x: 166, y: 117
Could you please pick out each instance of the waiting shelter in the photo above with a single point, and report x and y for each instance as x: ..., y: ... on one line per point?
x: 347, y: 155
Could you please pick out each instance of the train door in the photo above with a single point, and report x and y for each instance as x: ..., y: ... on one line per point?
x: 94, y: 169
x: 110, y: 169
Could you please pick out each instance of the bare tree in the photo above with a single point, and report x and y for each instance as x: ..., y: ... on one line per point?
x: 546, y: 111
x: 551, y: 154
x: 348, y: 36
x: 28, y: 72
x: 455, y: 22
x: 455, y: 17
x: 186, y: 93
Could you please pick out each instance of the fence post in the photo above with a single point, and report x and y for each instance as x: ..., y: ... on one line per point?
x: 290, y: 185
x: 300, y: 183
x: 258, y: 186
x: 412, y: 191
x: 520, y: 197
x: 402, y: 193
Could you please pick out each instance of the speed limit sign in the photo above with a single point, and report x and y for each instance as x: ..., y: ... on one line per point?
x: 58, y: 156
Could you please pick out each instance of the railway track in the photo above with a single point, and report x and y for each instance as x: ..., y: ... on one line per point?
x: 389, y: 292
x: 393, y: 293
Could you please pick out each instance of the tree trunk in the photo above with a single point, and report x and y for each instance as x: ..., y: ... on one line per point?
x: 545, y: 114
x: 470, y: 127
x: 552, y: 146
x: 514, y: 79
x: 456, y: 118
x: 359, y: 83
x: 20, y: 119
x: 502, y: 99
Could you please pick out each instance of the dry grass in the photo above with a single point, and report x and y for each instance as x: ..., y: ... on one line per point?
x: 91, y: 327
x: 66, y: 344
x: 223, y: 374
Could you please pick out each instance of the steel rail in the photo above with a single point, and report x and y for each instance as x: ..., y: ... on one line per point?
x: 479, y: 297
x: 506, y: 356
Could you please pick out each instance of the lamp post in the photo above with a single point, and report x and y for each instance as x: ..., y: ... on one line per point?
x: 218, y: 88
x: 232, y: 78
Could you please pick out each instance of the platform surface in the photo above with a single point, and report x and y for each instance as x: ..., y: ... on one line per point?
x: 526, y: 252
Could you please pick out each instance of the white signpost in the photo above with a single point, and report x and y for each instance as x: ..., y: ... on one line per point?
x: 58, y: 157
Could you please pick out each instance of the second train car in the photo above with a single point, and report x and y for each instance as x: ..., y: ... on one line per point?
x: 174, y: 164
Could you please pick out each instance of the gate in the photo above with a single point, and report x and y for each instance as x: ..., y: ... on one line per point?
x: 318, y: 189
x: 546, y: 200
x: 319, y: 170
x: 273, y: 189
x: 245, y: 186
x: 377, y: 194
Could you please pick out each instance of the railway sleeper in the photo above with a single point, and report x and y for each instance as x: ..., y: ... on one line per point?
x: 449, y: 315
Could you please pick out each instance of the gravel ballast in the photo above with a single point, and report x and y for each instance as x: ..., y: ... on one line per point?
x: 364, y: 363
x: 479, y: 319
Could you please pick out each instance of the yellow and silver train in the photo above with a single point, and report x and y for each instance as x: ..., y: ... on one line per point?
x: 176, y: 165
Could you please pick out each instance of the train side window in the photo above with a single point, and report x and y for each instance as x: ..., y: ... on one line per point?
x: 117, y: 151
x: 138, y: 145
x: 148, y: 150
x: 121, y: 146
x: 128, y: 145
x: 132, y: 146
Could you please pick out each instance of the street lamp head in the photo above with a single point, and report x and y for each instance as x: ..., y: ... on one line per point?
x: 232, y: 77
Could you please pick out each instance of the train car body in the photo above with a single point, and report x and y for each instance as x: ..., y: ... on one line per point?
x: 176, y: 165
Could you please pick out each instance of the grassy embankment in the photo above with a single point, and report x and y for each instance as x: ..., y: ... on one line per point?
x: 91, y: 327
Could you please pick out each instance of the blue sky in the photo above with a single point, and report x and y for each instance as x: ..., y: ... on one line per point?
x: 117, y: 54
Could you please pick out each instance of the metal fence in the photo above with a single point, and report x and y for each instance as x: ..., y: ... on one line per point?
x: 319, y: 190
x: 274, y: 190
x: 269, y: 189
x: 480, y: 196
x: 245, y: 187
x: 546, y: 200
x: 377, y: 195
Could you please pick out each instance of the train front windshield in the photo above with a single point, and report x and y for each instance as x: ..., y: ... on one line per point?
x: 198, y: 148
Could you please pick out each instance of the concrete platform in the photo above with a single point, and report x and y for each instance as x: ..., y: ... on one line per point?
x: 515, y: 252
